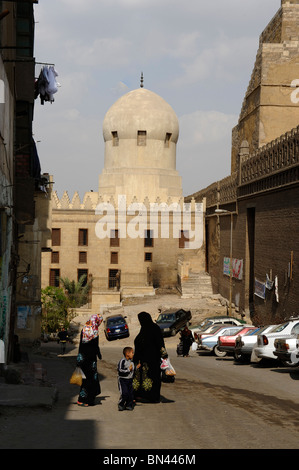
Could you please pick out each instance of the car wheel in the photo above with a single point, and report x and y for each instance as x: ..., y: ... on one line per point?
x: 219, y: 353
x: 239, y: 357
x: 290, y: 364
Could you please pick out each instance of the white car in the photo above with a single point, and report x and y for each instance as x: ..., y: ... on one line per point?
x: 209, y: 343
x: 210, y: 322
x: 246, y: 343
x: 265, y: 343
x: 287, y: 350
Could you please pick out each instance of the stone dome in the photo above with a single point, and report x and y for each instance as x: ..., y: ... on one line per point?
x: 141, y: 110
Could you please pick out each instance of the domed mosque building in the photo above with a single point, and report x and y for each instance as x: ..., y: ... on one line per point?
x: 135, y: 234
x: 140, y: 132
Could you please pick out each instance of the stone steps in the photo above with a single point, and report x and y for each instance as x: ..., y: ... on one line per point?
x: 198, y: 285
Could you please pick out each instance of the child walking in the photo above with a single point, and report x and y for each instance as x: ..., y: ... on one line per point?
x: 125, y: 371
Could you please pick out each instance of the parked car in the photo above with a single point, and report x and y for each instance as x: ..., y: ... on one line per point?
x: 265, y: 343
x: 245, y: 344
x: 209, y: 343
x: 287, y: 351
x: 115, y: 327
x: 208, y: 331
x: 173, y: 320
x: 220, y: 319
x: 226, y: 343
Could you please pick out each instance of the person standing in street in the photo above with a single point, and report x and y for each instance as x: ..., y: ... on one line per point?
x: 149, y: 346
x: 125, y: 371
x: 88, y: 353
x: 187, y: 340
x: 63, y: 337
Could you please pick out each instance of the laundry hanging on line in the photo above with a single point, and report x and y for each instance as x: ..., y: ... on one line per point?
x: 46, y: 85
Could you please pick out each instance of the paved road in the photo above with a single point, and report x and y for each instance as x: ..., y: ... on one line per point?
x: 213, y: 404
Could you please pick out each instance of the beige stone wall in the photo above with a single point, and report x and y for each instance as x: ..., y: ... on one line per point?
x: 135, y: 278
x: 268, y: 110
x: 34, y: 240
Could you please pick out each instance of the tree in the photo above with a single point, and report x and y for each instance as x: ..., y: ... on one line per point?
x: 77, y: 292
x: 58, y: 303
x: 55, y: 309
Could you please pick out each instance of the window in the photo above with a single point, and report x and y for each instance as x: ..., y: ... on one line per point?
x: 167, y: 139
x: 115, y: 139
x: 114, y: 257
x: 82, y: 257
x: 56, y: 236
x: 83, y: 272
x: 112, y: 282
x: 54, y: 277
x: 148, y: 238
x: 184, y: 238
x: 114, y: 240
x: 55, y: 257
x: 83, y: 237
x: 141, y: 138
x: 148, y: 256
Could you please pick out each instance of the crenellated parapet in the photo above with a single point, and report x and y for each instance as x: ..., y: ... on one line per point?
x: 274, y: 165
x: 91, y: 200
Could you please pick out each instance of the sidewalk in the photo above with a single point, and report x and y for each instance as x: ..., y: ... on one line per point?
x: 30, y: 384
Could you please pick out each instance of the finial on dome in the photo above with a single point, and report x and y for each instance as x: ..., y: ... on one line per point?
x: 141, y: 80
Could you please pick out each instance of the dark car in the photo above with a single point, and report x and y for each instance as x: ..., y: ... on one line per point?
x: 171, y: 321
x: 116, y: 327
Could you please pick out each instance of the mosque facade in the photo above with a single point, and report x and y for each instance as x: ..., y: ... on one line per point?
x: 136, y: 233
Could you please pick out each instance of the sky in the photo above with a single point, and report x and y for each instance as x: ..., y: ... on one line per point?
x: 197, y: 55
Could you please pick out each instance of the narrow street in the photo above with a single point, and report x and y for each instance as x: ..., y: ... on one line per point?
x: 213, y: 404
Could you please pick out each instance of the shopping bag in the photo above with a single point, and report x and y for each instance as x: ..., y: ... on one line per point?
x: 77, y: 377
x: 167, y: 367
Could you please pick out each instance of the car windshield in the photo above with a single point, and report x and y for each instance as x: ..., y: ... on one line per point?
x: 116, y: 321
x: 215, y: 328
x: 279, y: 328
x: 231, y: 331
x: 166, y: 317
x: 255, y: 332
x: 261, y: 330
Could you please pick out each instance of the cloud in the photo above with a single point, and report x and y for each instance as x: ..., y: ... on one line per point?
x: 103, y: 52
x: 204, y: 148
x: 197, y: 55
x: 220, y: 62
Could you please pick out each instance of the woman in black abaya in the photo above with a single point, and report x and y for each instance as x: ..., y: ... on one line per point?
x: 149, y: 344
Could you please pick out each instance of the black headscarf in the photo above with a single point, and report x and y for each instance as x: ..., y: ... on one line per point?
x: 149, y: 341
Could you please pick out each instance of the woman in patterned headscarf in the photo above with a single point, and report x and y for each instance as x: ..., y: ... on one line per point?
x: 89, y: 351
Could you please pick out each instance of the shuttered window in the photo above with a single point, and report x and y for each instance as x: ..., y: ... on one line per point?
x: 114, y: 257
x: 54, y: 277
x: 114, y: 240
x: 82, y: 257
x: 112, y: 278
x: 148, y: 256
x: 55, y: 257
x: 56, y: 236
x: 83, y: 237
